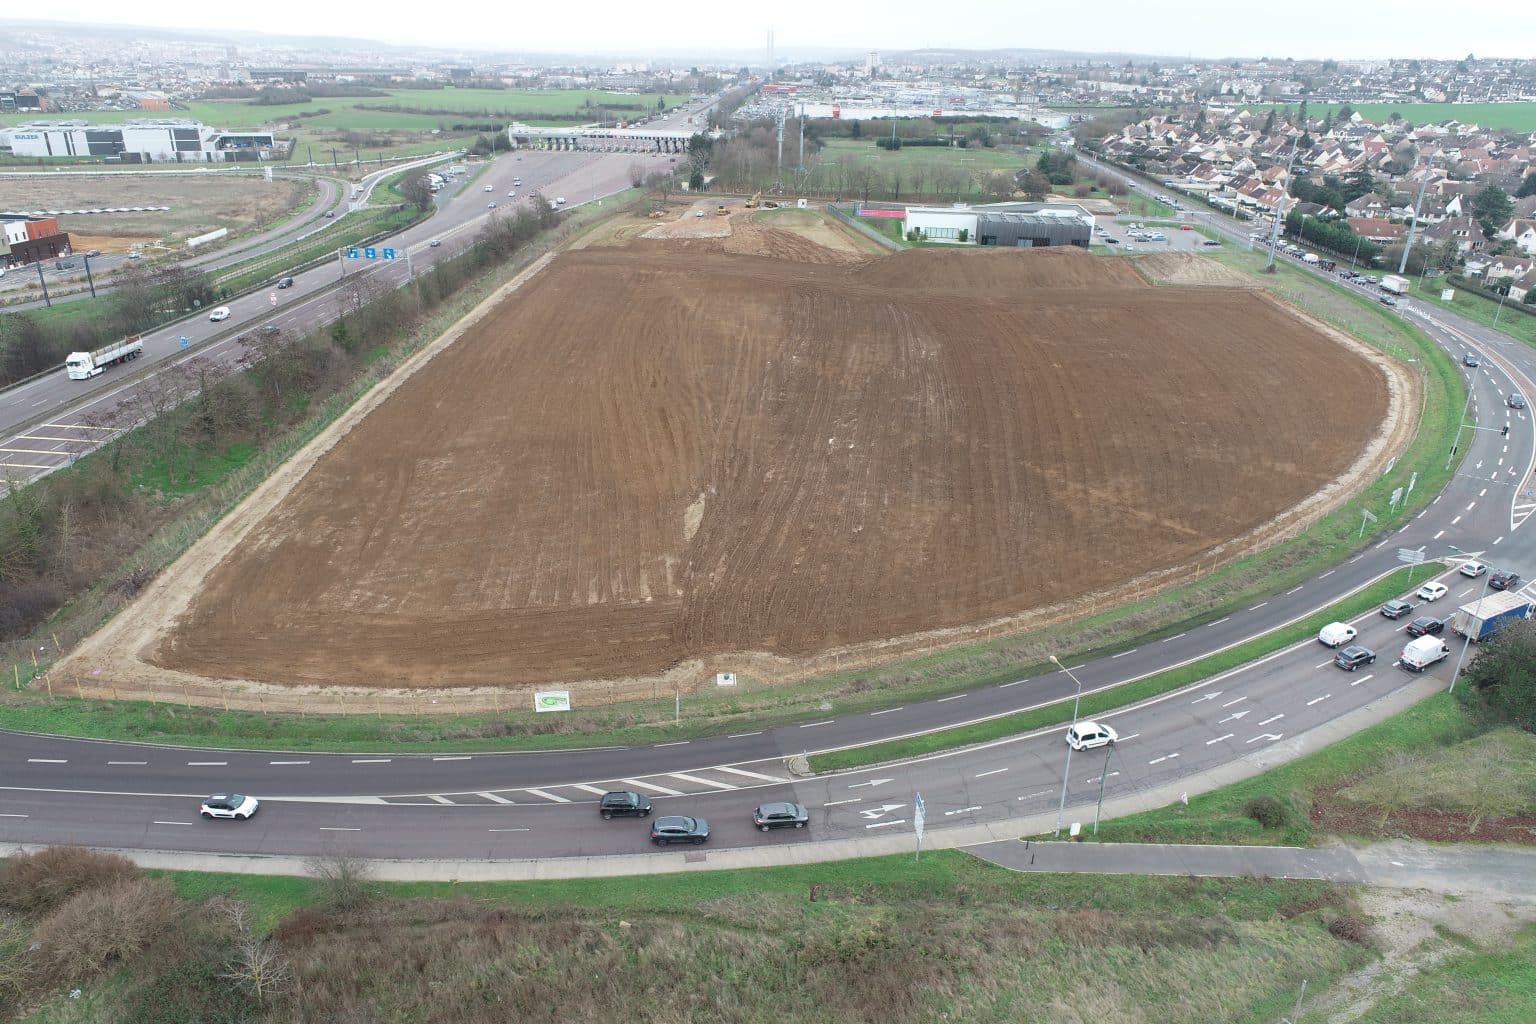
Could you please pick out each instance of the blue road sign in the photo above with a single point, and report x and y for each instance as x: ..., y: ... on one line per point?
x: 389, y: 254
x: 352, y: 253
x: 184, y: 341
x: 371, y: 253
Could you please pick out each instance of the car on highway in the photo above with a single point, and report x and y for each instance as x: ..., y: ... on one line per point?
x: 559, y: 200
x: 518, y: 182
x: 268, y: 330
x: 329, y: 214
x: 1396, y: 609
x: 1425, y: 625
x: 1387, y: 300
x: 1473, y: 568
x: 1211, y: 241
x: 219, y: 315
x: 1471, y: 359
x: 624, y: 804
x: 1087, y: 735
x: 285, y: 282
x: 511, y: 195
x: 488, y: 188
x: 1515, y: 400
x: 490, y: 206
x: 1353, y: 656
x: 94, y: 253
x: 1432, y: 591
x: 1504, y: 579
x: 768, y: 816
x: 230, y: 805
x: 1336, y: 634
x: 434, y: 243
x: 679, y: 828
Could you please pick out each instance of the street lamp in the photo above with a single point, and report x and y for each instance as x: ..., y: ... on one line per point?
x: 1066, y: 772
x: 1467, y: 637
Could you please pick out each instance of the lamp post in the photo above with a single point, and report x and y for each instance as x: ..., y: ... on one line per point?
x: 1066, y: 772
x: 1467, y: 638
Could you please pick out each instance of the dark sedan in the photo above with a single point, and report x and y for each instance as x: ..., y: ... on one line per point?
x: 1353, y: 656
x: 677, y: 828
x: 1396, y: 609
x: 1504, y: 580
x: 781, y: 816
x: 624, y: 804
x: 1426, y: 625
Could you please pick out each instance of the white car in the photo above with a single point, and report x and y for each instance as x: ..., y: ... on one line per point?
x: 219, y: 315
x: 511, y: 195
x: 490, y: 206
x: 1087, y: 735
x: 488, y: 188
x: 1433, y: 591
x: 1336, y: 634
x: 1473, y: 569
x: 560, y: 200
x: 230, y: 805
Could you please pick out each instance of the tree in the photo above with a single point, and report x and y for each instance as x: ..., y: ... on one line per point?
x: 857, y: 131
x: 1501, y: 680
x: 1033, y: 184
x: 1269, y: 122
x: 1527, y: 187
x: 256, y: 964
x: 1492, y: 209
x: 1358, y: 183
x: 417, y: 191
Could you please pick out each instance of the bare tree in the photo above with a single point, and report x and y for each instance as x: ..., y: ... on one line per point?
x: 919, y: 173
x: 893, y: 179
x: 343, y: 879
x: 256, y: 964
x: 417, y: 191
x: 636, y: 173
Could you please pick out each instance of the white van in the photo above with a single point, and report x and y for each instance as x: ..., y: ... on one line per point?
x: 1336, y: 634
x: 1423, y: 652
x: 1310, y: 257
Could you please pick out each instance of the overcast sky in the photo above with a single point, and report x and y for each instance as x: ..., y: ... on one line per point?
x: 1292, y: 28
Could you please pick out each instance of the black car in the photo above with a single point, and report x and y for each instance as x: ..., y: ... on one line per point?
x: 677, y: 828
x: 286, y: 282
x: 1515, y: 400
x: 1353, y: 656
x: 781, y: 816
x: 1504, y: 580
x: 1396, y: 609
x: 624, y: 804
x: 1426, y: 625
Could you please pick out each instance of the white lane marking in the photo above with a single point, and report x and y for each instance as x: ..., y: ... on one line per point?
x: 1482, y: 492
x: 1238, y: 700
x: 1175, y: 637
x: 1160, y: 760
x: 493, y: 798
x: 287, y: 762
x: 173, y: 823
x: 588, y: 789
x: 1293, y: 590
x: 1438, y: 535
x: 1357, y: 558
x: 849, y: 800
x: 1256, y: 607
x: 1122, y: 654
x: 1272, y: 718
x: 338, y: 828
x: 812, y: 725
x: 1380, y: 546
x: 12, y: 815
x: 1318, y: 700
x: 1218, y: 739
x: 548, y: 796
x: 887, y: 711
x: 743, y: 735
x: 207, y: 764
x: 456, y: 757
x: 1330, y: 572
x: 883, y: 824
x: 701, y: 782
x: 1016, y: 682
x: 1218, y: 621
x: 651, y: 785
x: 674, y: 743
x: 509, y: 830
x: 1271, y: 736
x: 995, y: 771
x: 439, y: 799
x: 1496, y: 541
x: 1404, y: 528
x: 110, y: 763
x: 46, y: 760
x: 372, y: 760
x: 962, y: 810
x: 1130, y: 737
x: 1464, y: 593
x: 746, y: 774
x: 1324, y: 664
x: 1357, y: 682
x: 1456, y: 520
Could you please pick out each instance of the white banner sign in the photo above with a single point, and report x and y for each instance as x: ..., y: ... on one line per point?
x: 552, y: 700
x: 725, y: 678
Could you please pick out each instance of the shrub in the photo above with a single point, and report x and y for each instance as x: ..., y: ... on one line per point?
x: 36, y: 883
x: 1268, y: 811
x: 342, y: 879
x: 106, y: 925
x: 1350, y: 929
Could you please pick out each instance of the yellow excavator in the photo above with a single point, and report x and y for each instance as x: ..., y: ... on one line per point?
x: 752, y: 203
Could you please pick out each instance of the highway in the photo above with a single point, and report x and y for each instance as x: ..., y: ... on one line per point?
x: 523, y: 805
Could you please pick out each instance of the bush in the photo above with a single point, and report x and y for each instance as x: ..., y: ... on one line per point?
x: 342, y: 880
x: 1351, y: 929
x: 37, y: 883
x: 1268, y: 811
x: 106, y: 925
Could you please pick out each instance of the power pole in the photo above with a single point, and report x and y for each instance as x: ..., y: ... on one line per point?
x: 1413, y: 223
x: 1274, y: 231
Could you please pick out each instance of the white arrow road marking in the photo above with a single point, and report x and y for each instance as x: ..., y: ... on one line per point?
x: 1267, y: 736
x: 1318, y: 700
x: 962, y: 810
x: 1234, y: 716
x: 1276, y: 718
x: 1356, y: 682
x: 871, y: 782
x: 881, y: 811
x: 883, y: 824
x: 1218, y: 739
x: 1208, y: 696
x: 1160, y: 760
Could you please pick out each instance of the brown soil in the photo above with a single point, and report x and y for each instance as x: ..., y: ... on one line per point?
x: 665, y: 454
x: 1188, y: 268
x: 1334, y: 814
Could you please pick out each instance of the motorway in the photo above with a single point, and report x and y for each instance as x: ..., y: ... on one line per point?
x: 542, y: 805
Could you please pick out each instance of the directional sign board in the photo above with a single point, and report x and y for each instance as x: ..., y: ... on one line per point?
x: 183, y: 341
x: 1413, y: 556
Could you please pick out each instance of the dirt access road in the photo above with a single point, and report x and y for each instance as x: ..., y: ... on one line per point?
x: 665, y: 456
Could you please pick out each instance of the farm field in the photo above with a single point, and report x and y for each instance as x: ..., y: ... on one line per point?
x: 1516, y: 117
x: 729, y: 453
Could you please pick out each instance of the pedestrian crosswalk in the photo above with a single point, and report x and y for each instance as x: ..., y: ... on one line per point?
x: 695, y: 781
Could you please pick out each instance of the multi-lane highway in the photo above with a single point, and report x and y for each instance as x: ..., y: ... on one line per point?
x: 515, y: 806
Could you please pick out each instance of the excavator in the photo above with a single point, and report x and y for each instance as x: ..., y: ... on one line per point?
x: 752, y: 203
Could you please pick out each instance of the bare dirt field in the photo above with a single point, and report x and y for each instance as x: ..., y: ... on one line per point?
x: 198, y: 204
x: 666, y: 453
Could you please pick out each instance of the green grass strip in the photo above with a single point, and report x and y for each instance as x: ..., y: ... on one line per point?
x: 1117, y: 696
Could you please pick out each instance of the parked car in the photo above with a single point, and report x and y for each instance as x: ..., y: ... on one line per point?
x: 1432, y: 591
x: 230, y: 805
x: 1426, y: 625
x: 285, y: 282
x: 329, y: 214
x: 624, y: 804
x: 1504, y: 580
x: 1473, y: 568
x: 1087, y: 735
x: 1396, y: 609
x: 1515, y: 400
x: 1336, y: 634
x: 1472, y: 359
x: 1185, y: 227
x: 769, y: 816
x: 678, y: 828
x: 63, y: 264
x: 1353, y: 656
x: 94, y: 253
x: 1211, y: 241
x: 219, y: 315
x: 1111, y: 241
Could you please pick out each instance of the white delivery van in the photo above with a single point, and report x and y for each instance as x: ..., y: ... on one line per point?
x: 1423, y: 652
x: 1336, y: 634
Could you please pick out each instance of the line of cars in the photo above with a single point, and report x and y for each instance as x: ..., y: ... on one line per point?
x: 683, y: 828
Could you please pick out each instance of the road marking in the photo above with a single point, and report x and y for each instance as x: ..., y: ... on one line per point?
x: 743, y: 735
x: 962, y: 810
x: 1122, y: 654
x: 871, y: 783
x: 457, y: 757
x: 1239, y: 700
x: 1218, y: 621
x: 372, y: 760
x: 651, y: 785
x: 1218, y: 739
x: 1256, y: 607
x: 207, y: 764
x: 1357, y: 558
x: 1268, y: 736
x: 1208, y: 696
x: 12, y: 815
x: 1234, y: 716
x: 287, y: 762
x: 173, y: 823
x: 586, y: 788
x: 1293, y: 590
x: 1456, y: 520
x: 1404, y: 528
x: 46, y: 760
x: 1160, y: 760
x: 1438, y: 535
x: 1464, y: 593
x: 493, y: 798
x: 1165, y: 639
x: 1482, y: 492
x: 1357, y: 682
x: 957, y: 696
x: 1016, y: 682
x: 509, y: 830
x: 812, y: 725
x: 746, y: 774
x: 995, y: 771
x: 1501, y: 538
x: 440, y: 799
x: 1324, y: 664
x: 1318, y: 700
x: 1130, y: 737
x: 1272, y: 718
x: 110, y: 763
x: 849, y: 800
x: 548, y: 796
x: 887, y: 711
x: 702, y: 782
x: 883, y: 824
x: 1325, y: 575
x: 674, y: 743
x: 338, y: 828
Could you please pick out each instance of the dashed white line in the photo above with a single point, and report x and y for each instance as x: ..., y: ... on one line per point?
x: 962, y: 810
x: 493, y: 798
x: 548, y: 796
x: 884, y: 824
x: 125, y: 763
x: 509, y: 830
x: 338, y: 828
x: 1318, y: 700
x: 1438, y: 535
x: 287, y: 762
x: 1362, y: 679
x: 1482, y: 492
x: 1218, y: 621
x: 849, y: 800
x: 1456, y: 520
x: 957, y: 696
x: 1160, y: 760
x: 1325, y: 575
x: 1256, y: 607
x: 456, y: 757
x: 372, y: 760
x: 46, y: 760
x: 173, y: 823
x: 1380, y: 546
x: 674, y: 743
x: 1122, y: 654
x: 887, y: 711
x: 1272, y: 718
x: 1499, y: 539
x: 1130, y: 737
x: 1168, y: 639
x: 1218, y: 739
x: 995, y: 771
x: 1293, y: 590
x: 812, y: 725
x: 12, y: 815
x: 207, y: 764
x: 1229, y: 703
x: 743, y: 735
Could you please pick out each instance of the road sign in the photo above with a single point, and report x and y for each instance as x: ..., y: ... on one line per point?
x: 1413, y: 556
x: 183, y: 341
x: 1397, y: 496
x: 389, y: 254
x: 371, y: 253
x: 352, y: 253
x: 1368, y: 514
x: 552, y: 700
x: 917, y: 822
x: 1412, y: 480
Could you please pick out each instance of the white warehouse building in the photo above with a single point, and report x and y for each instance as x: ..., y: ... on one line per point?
x: 156, y: 140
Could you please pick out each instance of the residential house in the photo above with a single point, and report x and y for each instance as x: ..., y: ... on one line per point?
x: 1374, y: 229
x: 1513, y: 267
x: 1521, y: 288
x: 1368, y: 205
x: 1522, y: 232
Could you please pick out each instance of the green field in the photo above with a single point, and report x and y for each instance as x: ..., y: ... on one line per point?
x: 1515, y: 117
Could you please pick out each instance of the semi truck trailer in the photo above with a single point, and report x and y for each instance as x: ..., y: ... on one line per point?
x: 1481, y: 619
x: 83, y: 365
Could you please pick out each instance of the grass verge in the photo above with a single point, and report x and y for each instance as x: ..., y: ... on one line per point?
x: 1494, y: 987
x: 1118, y: 696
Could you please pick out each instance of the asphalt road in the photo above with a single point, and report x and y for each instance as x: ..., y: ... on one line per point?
x: 515, y: 806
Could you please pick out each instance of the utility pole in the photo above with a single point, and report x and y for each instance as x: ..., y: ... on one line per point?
x: 1413, y: 223
x: 1274, y: 231
x: 43, y: 281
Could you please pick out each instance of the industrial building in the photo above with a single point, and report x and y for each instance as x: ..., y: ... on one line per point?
x: 30, y: 240
x: 1020, y: 225
x: 156, y: 140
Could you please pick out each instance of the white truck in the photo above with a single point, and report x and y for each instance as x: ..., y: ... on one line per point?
x: 84, y: 365
x: 1423, y: 652
x: 1481, y: 619
x: 1394, y: 284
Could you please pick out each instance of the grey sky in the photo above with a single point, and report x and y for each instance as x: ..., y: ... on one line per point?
x: 1295, y: 28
